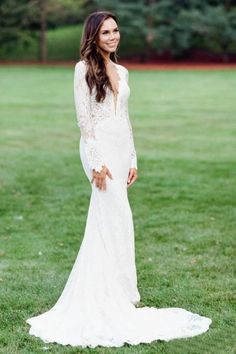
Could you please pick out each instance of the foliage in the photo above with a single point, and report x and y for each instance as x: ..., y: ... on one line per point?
x: 148, y: 27
x: 63, y: 44
x: 20, y: 22
x: 15, y: 23
x: 176, y: 26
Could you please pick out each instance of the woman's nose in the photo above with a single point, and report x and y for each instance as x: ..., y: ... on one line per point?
x: 112, y: 35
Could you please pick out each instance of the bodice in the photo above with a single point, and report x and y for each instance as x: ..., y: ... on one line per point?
x: 111, y: 107
x: 90, y: 112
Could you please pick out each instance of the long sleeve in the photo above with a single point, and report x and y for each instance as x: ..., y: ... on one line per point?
x: 133, y: 153
x: 83, y: 115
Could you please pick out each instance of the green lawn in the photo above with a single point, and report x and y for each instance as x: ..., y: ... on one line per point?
x: 184, y: 202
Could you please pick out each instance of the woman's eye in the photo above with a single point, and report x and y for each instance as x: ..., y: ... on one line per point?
x: 106, y: 32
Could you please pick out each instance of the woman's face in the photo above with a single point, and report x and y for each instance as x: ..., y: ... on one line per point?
x: 108, y: 36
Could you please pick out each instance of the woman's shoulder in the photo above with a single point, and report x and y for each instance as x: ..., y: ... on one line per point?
x: 80, y: 66
x: 122, y: 67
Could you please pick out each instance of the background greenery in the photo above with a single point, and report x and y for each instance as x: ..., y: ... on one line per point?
x: 63, y: 44
x: 183, y: 202
x: 151, y: 29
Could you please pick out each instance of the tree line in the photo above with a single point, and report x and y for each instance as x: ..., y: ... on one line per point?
x: 149, y: 28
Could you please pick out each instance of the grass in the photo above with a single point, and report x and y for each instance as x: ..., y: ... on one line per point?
x: 183, y: 203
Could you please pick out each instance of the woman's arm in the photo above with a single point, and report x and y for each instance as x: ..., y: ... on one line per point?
x: 83, y: 114
x: 133, y: 175
x: 133, y: 152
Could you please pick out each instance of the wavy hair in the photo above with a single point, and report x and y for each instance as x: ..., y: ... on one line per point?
x: 96, y: 75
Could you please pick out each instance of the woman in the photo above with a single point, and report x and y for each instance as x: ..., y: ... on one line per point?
x: 99, y: 304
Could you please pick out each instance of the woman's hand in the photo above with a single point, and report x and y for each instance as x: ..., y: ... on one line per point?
x: 100, y: 178
x: 133, y: 175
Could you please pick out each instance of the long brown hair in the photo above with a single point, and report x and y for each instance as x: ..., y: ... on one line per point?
x: 96, y: 71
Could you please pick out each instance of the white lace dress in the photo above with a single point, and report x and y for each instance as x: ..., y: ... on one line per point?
x: 97, y: 305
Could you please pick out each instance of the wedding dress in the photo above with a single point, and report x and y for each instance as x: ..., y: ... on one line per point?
x: 98, y: 305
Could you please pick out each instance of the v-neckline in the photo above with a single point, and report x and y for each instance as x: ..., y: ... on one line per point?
x: 115, y: 97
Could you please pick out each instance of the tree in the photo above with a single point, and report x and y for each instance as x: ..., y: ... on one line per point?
x: 176, y: 26
x: 14, y: 23
x: 43, y: 28
x: 31, y: 18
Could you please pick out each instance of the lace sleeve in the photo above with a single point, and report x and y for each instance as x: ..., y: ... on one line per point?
x: 83, y: 115
x: 133, y: 152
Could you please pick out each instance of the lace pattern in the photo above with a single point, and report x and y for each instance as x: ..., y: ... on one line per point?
x: 89, y: 113
x: 82, y: 99
x: 133, y: 152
